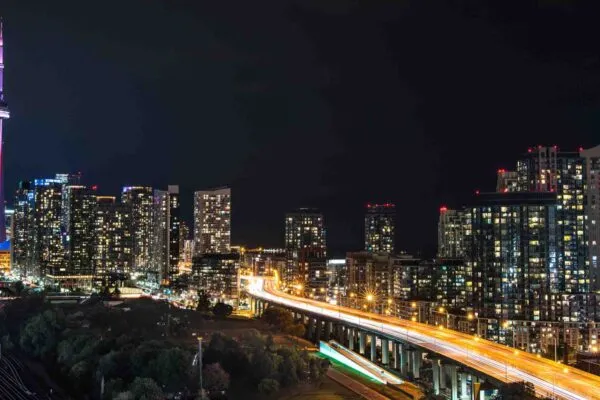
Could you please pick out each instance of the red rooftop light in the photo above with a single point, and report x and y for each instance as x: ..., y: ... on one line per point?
x: 501, y: 171
x: 95, y: 187
x: 529, y: 150
x: 477, y: 191
x: 443, y: 209
x: 580, y: 148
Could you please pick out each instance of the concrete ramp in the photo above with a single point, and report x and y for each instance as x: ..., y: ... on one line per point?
x: 358, y: 363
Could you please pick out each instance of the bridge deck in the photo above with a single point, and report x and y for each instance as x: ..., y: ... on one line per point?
x: 499, y: 362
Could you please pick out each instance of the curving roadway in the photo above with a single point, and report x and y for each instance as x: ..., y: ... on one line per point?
x: 503, y: 363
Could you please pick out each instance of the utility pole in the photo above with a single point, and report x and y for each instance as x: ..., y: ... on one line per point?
x: 200, y: 366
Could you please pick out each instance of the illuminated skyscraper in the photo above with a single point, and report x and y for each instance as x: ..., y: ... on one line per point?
x: 184, y: 233
x: 547, y: 169
x: 451, y: 233
x: 140, y: 199
x: 48, y: 251
x: 306, y: 251
x: 112, y: 237
x: 165, y: 234
x: 22, y: 229
x: 592, y: 212
x: 212, y: 221
x: 4, y: 114
x: 380, y: 225
x: 512, y: 266
x: 78, y: 235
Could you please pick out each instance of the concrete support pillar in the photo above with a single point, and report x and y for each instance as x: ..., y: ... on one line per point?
x: 443, y: 376
x: 318, y: 328
x: 404, y: 359
x: 453, y: 382
x: 340, y: 334
x: 435, y: 367
x: 362, y: 342
x: 463, y: 386
x: 328, y: 329
x: 351, y: 339
x: 396, y: 354
x: 309, y: 329
x: 416, y: 363
x: 373, y: 348
x: 385, y: 352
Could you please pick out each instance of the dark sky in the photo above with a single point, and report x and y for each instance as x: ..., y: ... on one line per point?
x: 298, y: 103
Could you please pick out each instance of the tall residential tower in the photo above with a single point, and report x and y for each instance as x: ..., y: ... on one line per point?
x: 139, y: 199
x: 306, y: 251
x: 212, y: 221
x: 380, y: 224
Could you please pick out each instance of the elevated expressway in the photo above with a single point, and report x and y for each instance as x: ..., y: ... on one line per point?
x: 486, y: 360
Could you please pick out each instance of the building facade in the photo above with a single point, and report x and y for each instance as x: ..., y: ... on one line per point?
x: 140, y: 200
x: 212, y: 221
x: 77, y: 234
x: 512, y: 267
x: 508, y: 181
x: 592, y: 212
x: 451, y: 233
x: 305, y: 245
x: 22, y: 243
x: 547, y: 169
x: 165, y: 236
x: 217, y: 275
x: 48, y: 251
x: 113, y: 244
x: 380, y: 227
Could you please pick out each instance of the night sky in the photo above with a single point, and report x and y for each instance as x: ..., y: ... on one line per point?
x: 327, y: 104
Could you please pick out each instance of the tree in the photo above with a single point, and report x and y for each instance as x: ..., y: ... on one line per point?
x: 216, y: 380
x: 81, y: 376
x: 146, y: 389
x: 278, y: 318
x: 112, y: 388
x: 105, y: 293
x: 172, y: 367
x: 203, y: 301
x: 222, y: 310
x: 264, y: 364
x: 142, y: 357
x: 19, y: 287
x: 253, y: 339
x: 268, y: 386
x: 40, y: 334
x: 314, y: 370
x: 7, y: 344
x: 76, y: 348
x: 297, y: 330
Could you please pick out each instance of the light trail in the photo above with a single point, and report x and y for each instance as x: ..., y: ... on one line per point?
x: 498, y: 361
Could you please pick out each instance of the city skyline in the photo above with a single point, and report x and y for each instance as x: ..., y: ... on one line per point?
x: 269, y: 114
x: 414, y: 188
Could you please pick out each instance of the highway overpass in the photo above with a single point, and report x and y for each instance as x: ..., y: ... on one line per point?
x: 464, y: 358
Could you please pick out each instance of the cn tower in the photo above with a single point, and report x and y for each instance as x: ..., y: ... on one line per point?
x: 4, y: 114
